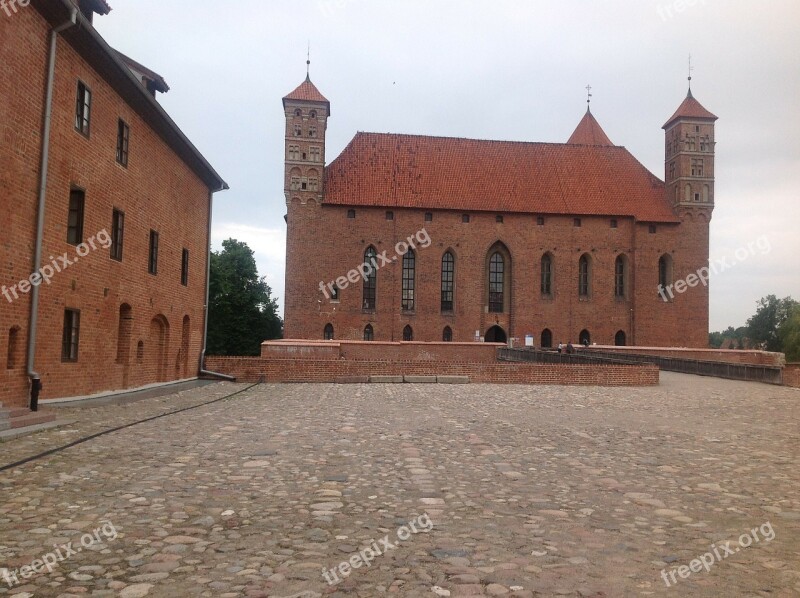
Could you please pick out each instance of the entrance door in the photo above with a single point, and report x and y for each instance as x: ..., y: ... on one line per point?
x: 495, y: 334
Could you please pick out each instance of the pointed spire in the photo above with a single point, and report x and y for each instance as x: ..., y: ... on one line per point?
x: 588, y: 98
x: 691, y: 68
x: 589, y: 132
x: 308, y: 62
x: 690, y: 108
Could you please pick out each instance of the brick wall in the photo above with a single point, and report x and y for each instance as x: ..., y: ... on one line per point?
x: 253, y: 369
x: 157, y: 190
x: 791, y: 375
x: 724, y: 355
x: 323, y: 244
x: 381, y: 351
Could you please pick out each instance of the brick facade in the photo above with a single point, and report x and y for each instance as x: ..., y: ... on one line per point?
x: 791, y: 375
x: 135, y: 328
x: 328, y: 238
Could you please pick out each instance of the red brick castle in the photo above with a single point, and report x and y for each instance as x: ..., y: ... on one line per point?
x: 558, y: 241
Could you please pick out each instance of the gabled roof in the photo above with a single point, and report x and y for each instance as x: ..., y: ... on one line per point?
x: 412, y: 171
x: 589, y: 132
x: 690, y: 108
x: 307, y: 92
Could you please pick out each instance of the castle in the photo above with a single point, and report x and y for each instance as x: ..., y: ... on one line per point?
x: 555, y: 241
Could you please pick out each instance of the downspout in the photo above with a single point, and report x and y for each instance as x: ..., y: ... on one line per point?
x: 36, y: 380
x: 201, y: 370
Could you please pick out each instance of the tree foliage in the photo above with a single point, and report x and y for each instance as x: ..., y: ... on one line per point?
x: 242, y: 312
x: 789, y: 334
x: 771, y: 314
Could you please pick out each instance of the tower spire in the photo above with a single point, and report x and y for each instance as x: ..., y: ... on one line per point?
x: 691, y: 68
x: 308, y: 61
x: 588, y: 98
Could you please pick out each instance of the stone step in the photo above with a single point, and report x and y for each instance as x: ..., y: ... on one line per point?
x: 31, y: 418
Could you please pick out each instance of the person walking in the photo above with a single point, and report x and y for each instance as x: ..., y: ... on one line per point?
x: 560, y: 347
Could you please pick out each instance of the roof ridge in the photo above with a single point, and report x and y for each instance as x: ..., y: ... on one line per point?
x: 452, y: 138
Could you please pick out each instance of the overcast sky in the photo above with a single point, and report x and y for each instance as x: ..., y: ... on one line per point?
x: 499, y: 69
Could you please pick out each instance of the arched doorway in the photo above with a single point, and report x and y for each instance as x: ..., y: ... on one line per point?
x: 159, y: 349
x: 619, y: 339
x: 585, y: 338
x: 547, y: 339
x: 495, y: 334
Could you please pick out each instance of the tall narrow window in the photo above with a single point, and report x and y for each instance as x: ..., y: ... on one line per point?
x: 370, y: 279
x: 77, y: 199
x: 152, y: 262
x: 664, y: 276
x: 620, y: 274
x: 584, y: 276
x: 185, y: 267
x: 13, y: 344
x: 408, y: 334
x: 327, y: 334
x: 547, y: 275
x: 123, y: 134
x: 369, y: 333
x: 496, y: 283
x: 448, y: 281
x: 409, y: 275
x: 83, y: 108
x: 697, y: 166
x: 117, y: 234
x: 71, y: 335
x: 124, y: 333
x: 447, y: 334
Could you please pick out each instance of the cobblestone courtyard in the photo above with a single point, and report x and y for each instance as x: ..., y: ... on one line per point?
x: 532, y: 491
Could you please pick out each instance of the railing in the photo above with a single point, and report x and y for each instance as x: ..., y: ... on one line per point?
x: 541, y: 356
x: 719, y: 369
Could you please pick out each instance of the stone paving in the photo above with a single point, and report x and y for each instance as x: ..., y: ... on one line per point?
x: 531, y: 491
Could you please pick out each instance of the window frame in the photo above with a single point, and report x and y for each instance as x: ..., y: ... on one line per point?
x: 546, y: 275
x: 369, y: 292
x: 409, y: 275
x: 70, y: 336
x: 448, y: 283
x: 83, y: 109
x: 584, y: 277
x: 185, y: 267
x: 497, y: 280
x: 75, y: 231
x: 152, y: 255
x: 123, y: 142
x: 117, y: 234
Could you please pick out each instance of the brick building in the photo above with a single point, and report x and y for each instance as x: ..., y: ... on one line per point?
x: 106, y: 199
x: 557, y: 241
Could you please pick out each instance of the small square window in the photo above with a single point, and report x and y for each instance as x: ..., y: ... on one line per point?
x: 351, y: 214
x: 499, y: 218
x: 428, y: 216
x: 389, y: 215
x: 652, y: 229
x: 465, y: 218
x: 335, y: 292
x: 613, y: 223
x: 576, y: 222
x: 540, y: 220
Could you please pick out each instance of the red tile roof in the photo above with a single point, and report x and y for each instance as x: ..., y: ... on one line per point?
x: 307, y: 92
x: 473, y: 175
x: 589, y: 132
x: 690, y: 108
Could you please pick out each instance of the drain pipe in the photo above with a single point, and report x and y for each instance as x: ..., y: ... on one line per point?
x: 201, y: 370
x: 35, y: 377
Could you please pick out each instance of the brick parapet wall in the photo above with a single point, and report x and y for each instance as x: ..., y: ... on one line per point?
x: 470, y: 352
x: 723, y: 355
x: 253, y: 369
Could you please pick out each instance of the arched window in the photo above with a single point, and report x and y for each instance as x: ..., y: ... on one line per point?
x: 585, y: 338
x: 124, y: 333
x: 448, y: 281
x: 619, y: 339
x: 664, y: 276
x: 371, y: 278
x: 621, y: 277
x: 496, y: 282
x: 13, y: 348
x: 409, y: 275
x: 547, y: 338
x: 547, y: 275
x: 447, y: 334
x: 298, y: 112
x: 584, y: 276
x: 369, y: 334
x: 313, y: 114
x: 327, y: 334
x: 408, y: 334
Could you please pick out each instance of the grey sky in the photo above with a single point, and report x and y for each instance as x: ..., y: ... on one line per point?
x: 499, y: 69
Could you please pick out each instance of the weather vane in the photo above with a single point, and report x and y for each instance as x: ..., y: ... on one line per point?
x: 588, y: 97
x: 308, y: 60
x: 691, y: 68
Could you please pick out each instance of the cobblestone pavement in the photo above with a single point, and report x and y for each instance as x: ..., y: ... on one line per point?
x: 532, y: 491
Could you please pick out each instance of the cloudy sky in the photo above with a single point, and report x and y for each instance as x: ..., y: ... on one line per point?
x: 494, y: 69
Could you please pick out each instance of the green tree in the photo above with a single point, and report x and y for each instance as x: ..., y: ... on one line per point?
x: 789, y: 334
x: 770, y: 315
x: 241, y: 312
